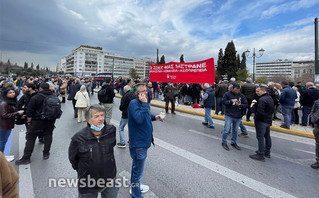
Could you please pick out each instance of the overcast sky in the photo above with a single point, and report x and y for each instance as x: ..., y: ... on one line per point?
x: 43, y: 32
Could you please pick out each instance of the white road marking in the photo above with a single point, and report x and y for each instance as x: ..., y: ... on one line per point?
x: 148, y: 194
x: 226, y: 172
x: 25, y: 176
x: 304, y: 151
x: 296, y: 161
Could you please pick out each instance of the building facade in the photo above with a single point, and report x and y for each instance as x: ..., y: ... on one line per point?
x: 88, y: 61
x: 278, y: 70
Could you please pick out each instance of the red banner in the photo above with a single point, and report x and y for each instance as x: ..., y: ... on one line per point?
x: 195, y: 72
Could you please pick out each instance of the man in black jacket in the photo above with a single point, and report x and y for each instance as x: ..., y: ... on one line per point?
x: 125, y: 102
x: 36, y: 124
x: 221, y: 89
x: 92, y: 156
x: 107, y: 100
x: 263, y: 121
x: 248, y: 89
x: 307, y: 99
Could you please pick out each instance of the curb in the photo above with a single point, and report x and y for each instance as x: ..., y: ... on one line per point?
x: 274, y: 128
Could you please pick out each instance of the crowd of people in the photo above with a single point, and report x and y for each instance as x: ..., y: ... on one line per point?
x: 26, y: 100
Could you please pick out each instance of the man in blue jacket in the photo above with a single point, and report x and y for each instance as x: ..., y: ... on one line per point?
x: 287, y: 101
x: 140, y: 136
x: 235, y: 103
x: 208, y: 98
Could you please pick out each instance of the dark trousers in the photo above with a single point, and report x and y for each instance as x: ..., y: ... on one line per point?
x: 305, y: 115
x: 75, y: 109
x: 316, y: 134
x: 32, y: 133
x: 249, y: 110
x: 167, y: 102
x: 295, y: 116
x: 263, y: 137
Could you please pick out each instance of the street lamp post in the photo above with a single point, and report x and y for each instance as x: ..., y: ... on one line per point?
x: 261, y: 52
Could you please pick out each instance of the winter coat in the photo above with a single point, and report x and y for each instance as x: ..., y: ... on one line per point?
x: 208, y: 98
x: 8, y: 113
x: 93, y: 157
x: 125, y: 102
x: 63, y: 88
x: 221, y: 89
x: 288, y: 97
x: 8, y: 179
x: 73, y: 89
x: 248, y: 89
x: 264, y: 109
x: 82, y: 99
x: 170, y: 92
x: 34, y: 108
x: 297, y: 103
x: 309, y: 96
x: 231, y: 109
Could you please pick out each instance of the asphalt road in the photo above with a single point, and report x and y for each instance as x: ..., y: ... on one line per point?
x: 187, y: 161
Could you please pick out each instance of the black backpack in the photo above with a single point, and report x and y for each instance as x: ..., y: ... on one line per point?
x: 51, y: 108
x: 102, y: 96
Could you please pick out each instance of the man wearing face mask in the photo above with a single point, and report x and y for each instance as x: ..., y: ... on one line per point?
x: 92, y: 156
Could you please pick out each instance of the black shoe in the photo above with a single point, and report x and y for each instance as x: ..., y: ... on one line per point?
x: 46, y: 155
x: 204, y: 123
x: 248, y: 120
x: 119, y: 145
x: 243, y: 135
x: 257, y: 157
x: 225, y: 146
x: 41, y: 140
x: 265, y: 155
x: 22, y: 161
x: 276, y: 118
x: 208, y: 126
x: 315, y: 165
x: 303, y: 125
x: 284, y: 126
x: 173, y: 113
x: 236, y: 146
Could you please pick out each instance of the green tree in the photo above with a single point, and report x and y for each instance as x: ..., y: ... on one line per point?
x: 242, y: 74
x: 162, y: 60
x: 238, y: 61
x: 261, y: 79
x: 157, y: 60
x: 243, y: 61
x: 38, y: 67
x: 220, y: 67
x: 229, y: 60
x: 25, y: 65
x: 133, y: 73
x: 31, y: 65
x: 181, y: 59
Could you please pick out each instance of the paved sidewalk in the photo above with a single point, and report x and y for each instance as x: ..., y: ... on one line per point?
x: 294, y: 129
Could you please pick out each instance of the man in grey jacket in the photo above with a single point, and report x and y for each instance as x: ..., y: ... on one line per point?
x: 170, y: 92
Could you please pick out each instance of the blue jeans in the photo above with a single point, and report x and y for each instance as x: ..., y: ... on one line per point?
x: 139, y: 157
x: 4, y: 135
x: 121, y: 92
x: 229, y: 121
x: 208, y: 117
x: 263, y: 137
x: 287, y: 112
x: 242, y: 128
x: 305, y: 115
x: 155, y: 94
x: 107, y: 193
x: 123, y: 122
x: 219, y: 106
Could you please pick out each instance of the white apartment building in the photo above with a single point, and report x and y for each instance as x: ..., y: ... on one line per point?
x: 139, y: 65
x: 284, y: 69
x: 88, y: 61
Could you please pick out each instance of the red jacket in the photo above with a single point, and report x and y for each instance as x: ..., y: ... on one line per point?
x: 7, y: 115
